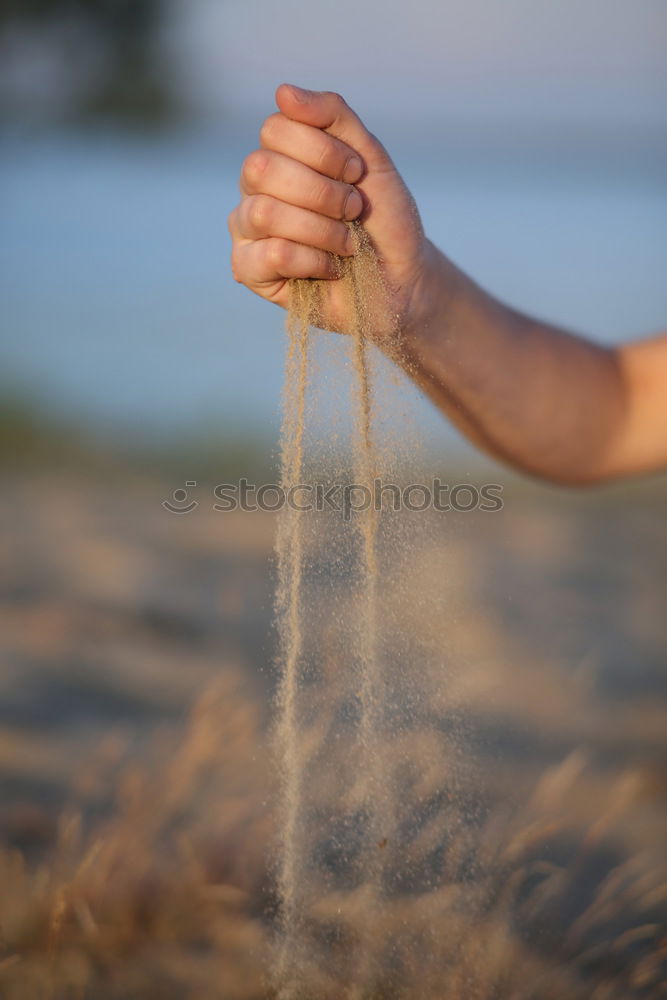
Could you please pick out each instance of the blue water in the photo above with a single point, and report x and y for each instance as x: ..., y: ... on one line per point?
x: 118, y: 306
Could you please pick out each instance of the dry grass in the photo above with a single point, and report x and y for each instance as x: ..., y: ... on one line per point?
x: 139, y: 834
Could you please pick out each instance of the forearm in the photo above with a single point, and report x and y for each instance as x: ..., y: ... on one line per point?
x: 532, y: 395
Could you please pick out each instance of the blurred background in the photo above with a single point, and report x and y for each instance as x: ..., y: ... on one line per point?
x: 534, y: 137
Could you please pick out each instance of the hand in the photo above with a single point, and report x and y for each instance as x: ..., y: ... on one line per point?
x: 317, y: 167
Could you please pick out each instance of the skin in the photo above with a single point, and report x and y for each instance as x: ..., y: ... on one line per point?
x: 541, y: 399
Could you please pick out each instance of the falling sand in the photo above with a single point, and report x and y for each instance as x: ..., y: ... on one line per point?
x: 364, y: 297
x: 289, y: 547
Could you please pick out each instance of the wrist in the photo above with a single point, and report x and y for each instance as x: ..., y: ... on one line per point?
x: 431, y: 300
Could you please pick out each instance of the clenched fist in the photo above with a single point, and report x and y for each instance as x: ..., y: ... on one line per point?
x: 317, y: 168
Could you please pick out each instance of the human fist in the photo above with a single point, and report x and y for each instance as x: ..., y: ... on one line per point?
x: 319, y: 167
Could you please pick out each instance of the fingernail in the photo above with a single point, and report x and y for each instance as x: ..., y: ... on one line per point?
x: 353, y: 205
x: 353, y: 170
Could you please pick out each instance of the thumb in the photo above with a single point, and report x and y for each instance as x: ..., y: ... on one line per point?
x: 328, y: 111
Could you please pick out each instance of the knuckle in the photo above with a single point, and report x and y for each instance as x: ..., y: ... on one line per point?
x: 255, y: 165
x: 279, y: 253
x: 340, y: 106
x: 269, y: 130
x: 381, y: 154
x: 258, y: 213
x: 336, y: 98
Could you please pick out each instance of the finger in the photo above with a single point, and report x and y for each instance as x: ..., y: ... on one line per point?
x: 265, y: 172
x: 326, y: 110
x: 311, y: 146
x: 263, y: 262
x: 259, y: 216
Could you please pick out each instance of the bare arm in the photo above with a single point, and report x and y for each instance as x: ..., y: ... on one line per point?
x: 538, y: 398
x: 541, y: 399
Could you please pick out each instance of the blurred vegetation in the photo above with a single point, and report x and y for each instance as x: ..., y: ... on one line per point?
x: 138, y: 818
x: 34, y: 439
x: 27, y: 436
x: 130, y: 86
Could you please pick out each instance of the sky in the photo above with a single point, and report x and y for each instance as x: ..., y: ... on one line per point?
x: 593, y: 61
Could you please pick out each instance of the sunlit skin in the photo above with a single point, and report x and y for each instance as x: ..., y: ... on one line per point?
x: 541, y: 399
